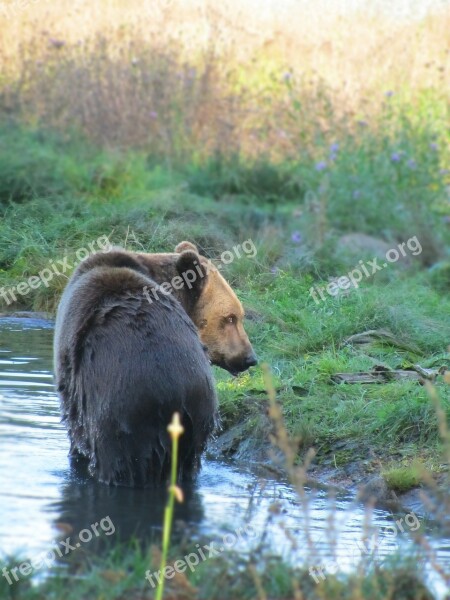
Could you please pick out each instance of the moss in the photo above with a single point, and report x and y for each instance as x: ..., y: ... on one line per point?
x: 402, y: 478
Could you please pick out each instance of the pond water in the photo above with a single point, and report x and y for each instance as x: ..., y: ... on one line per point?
x: 229, y: 505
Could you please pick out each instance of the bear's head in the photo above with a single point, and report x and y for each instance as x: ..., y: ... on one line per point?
x: 215, y: 311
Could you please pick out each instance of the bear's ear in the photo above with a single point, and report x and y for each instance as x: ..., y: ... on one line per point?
x: 189, y: 266
x: 182, y: 246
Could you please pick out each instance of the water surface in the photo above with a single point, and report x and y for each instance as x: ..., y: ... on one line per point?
x: 40, y: 496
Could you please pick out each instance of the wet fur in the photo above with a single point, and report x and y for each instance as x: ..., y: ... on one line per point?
x: 123, y: 366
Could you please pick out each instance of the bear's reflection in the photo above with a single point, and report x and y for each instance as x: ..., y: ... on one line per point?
x: 122, y: 514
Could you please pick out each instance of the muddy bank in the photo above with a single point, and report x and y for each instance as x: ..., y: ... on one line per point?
x: 360, y: 477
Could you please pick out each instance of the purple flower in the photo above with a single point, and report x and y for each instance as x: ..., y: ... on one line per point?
x: 356, y: 194
x: 362, y: 123
x: 446, y: 219
x: 274, y: 270
x: 395, y: 157
x: 287, y: 76
x: 56, y: 43
x: 412, y: 164
x: 321, y: 166
x: 433, y: 146
x: 444, y: 171
x: 389, y: 94
x: 334, y: 148
x: 296, y: 237
x: 153, y: 114
x: 333, y: 157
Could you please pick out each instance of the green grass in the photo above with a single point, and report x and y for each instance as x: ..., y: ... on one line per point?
x: 57, y: 196
x: 65, y: 194
x: 402, y: 479
x: 120, y: 575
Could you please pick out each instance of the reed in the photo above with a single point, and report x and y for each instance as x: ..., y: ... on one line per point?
x: 175, y: 429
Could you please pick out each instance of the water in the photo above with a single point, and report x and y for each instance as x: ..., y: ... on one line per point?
x: 41, y: 499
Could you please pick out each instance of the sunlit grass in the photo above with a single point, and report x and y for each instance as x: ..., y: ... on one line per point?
x: 402, y: 478
x: 191, y: 81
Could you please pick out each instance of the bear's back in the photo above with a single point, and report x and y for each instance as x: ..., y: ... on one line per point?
x: 123, y: 365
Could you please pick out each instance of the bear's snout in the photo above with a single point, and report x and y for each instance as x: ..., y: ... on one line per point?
x: 250, y: 360
x: 241, y: 364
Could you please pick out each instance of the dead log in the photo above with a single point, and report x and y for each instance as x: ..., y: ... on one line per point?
x: 381, y: 374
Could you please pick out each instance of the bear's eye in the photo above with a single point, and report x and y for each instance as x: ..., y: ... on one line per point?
x: 231, y: 319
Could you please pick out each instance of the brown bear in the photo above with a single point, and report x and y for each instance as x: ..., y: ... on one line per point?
x: 135, y: 334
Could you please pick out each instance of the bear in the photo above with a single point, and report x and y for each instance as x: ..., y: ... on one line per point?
x: 135, y: 336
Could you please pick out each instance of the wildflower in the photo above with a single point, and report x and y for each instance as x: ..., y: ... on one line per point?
x: 334, y: 148
x: 444, y: 171
x: 412, y: 164
x: 395, y: 157
x: 178, y: 492
x: 433, y: 146
x: 362, y: 123
x: 296, y: 237
x: 175, y: 428
x: 389, y: 94
x: 153, y: 114
x: 356, y: 194
x: 56, y: 43
x: 321, y: 166
x: 287, y: 76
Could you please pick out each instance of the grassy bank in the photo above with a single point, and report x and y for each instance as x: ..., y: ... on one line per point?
x: 65, y: 196
x: 61, y: 196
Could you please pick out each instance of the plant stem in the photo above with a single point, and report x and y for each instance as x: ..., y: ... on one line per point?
x: 175, y: 431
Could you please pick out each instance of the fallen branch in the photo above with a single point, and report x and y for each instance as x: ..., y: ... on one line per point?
x: 381, y: 374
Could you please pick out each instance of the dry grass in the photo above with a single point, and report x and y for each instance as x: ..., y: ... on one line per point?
x: 197, y: 78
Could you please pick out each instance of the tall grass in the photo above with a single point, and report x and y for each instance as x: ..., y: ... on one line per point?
x: 344, y: 117
x: 189, y: 80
